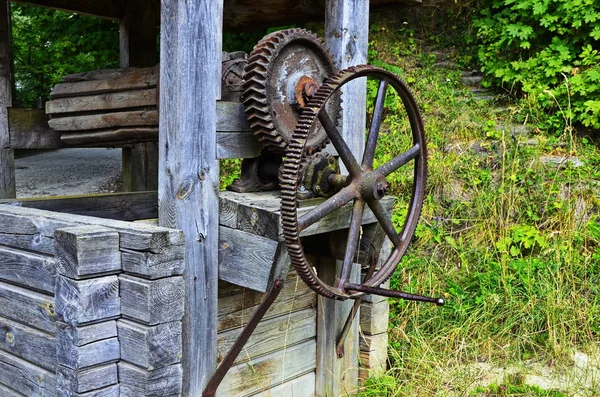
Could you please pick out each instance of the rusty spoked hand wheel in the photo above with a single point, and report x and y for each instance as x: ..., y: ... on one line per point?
x: 363, y: 186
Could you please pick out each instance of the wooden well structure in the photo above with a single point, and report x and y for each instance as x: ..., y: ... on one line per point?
x: 91, y: 306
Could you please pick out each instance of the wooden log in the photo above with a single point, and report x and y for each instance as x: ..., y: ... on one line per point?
x: 150, y: 347
x: 235, y: 145
x: 85, y: 301
x: 70, y: 335
x: 28, y: 344
x: 103, y: 81
x: 303, y: 386
x: 29, y: 130
x: 374, y: 318
x: 373, y: 353
x: 271, y: 335
x: 269, y: 370
x: 137, y: 382
x: 23, y: 305
x: 29, y: 269
x: 72, y: 381
x: 110, y: 137
x: 7, y: 157
x: 33, y: 229
x: 152, y: 302
x: 26, y: 378
x: 231, y: 117
x: 246, y: 259
x: 168, y: 263
x: 140, y: 167
x: 109, y: 391
x: 103, y: 102
x: 191, y: 41
x: 6, y: 392
x: 95, y: 353
x: 86, y: 251
x: 134, y: 118
x: 118, y: 206
x: 235, y: 310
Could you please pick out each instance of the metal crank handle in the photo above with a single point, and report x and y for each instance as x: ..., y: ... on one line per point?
x: 394, y: 294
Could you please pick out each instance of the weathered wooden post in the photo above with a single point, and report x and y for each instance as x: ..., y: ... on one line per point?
x: 7, y: 159
x: 191, y: 35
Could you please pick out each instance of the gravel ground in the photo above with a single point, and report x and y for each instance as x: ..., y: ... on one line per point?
x: 68, y: 172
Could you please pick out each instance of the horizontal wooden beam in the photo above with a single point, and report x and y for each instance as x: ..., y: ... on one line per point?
x: 29, y: 130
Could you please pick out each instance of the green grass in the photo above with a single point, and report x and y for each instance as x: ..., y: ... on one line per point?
x: 513, y: 244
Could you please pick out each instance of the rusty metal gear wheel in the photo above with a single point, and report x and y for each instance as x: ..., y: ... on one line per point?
x: 284, y: 70
x: 365, y: 186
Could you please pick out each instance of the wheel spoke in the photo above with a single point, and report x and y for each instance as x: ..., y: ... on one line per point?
x: 385, y: 222
x: 400, y: 160
x: 334, y: 202
x: 369, y: 154
x: 352, y: 244
x: 340, y: 145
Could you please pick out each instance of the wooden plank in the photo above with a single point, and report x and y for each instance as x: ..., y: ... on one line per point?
x: 150, y: 347
x: 373, y: 353
x: 27, y: 307
x: 85, y: 301
x: 6, y: 392
x: 28, y: 344
x: 134, y: 118
x: 109, y: 391
x: 269, y: 370
x: 29, y: 269
x: 102, y: 74
x: 34, y: 230
x: 168, y: 263
x: 103, y: 102
x: 303, y: 386
x: 111, y: 81
x: 235, y: 310
x: 86, y: 380
x: 29, y: 130
x: 111, y: 9
x: 374, y: 318
x: 140, y: 167
x: 111, y: 137
x: 245, y: 259
x: 137, y: 382
x: 95, y: 353
x: 152, y: 302
x: 118, y: 206
x: 26, y: 378
x: 7, y: 158
x: 235, y: 145
x: 67, y: 334
x: 271, y: 335
x: 191, y: 43
x: 231, y: 117
x: 85, y: 251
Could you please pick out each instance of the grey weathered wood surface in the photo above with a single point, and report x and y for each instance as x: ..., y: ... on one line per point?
x: 6, y: 392
x: 134, y: 118
x: 119, y: 206
x: 26, y: 378
x: 245, y: 259
x: 7, y: 158
x: 86, y: 380
x: 95, y: 353
x: 29, y: 269
x: 236, y: 308
x: 373, y: 354
x: 109, y: 391
x: 33, y: 308
x: 29, y: 130
x: 86, y: 251
x: 269, y: 370
x: 191, y: 34
x: 152, y: 302
x: 85, y: 301
x: 302, y: 386
x: 271, y: 335
x: 28, y: 344
x: 113, y: 137
x: 150, y: 265
x: 103, y: 81
x: 33, y: 229
x: 72, y: 335
x: 235, y: 145
x: 102, y: 102
x: 150, y: 347
x: 136, y: 381
x: 374, y: 317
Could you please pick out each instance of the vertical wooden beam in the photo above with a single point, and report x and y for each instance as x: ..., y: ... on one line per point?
x: 138, y: 32
x: 7, y: 159
x: 190, y: 67
x: 346, y: 36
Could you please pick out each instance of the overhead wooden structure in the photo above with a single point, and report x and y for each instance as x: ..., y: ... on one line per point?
x: 173, y: 341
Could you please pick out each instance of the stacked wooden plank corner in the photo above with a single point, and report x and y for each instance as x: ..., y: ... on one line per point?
x: 112, y: 107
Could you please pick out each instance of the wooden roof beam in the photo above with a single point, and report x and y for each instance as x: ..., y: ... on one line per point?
x: 110, y: 9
